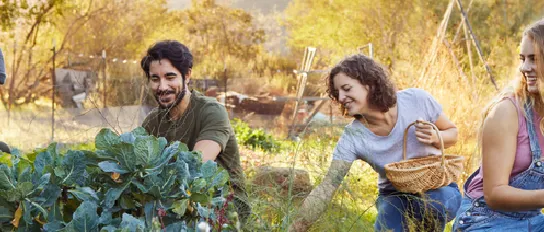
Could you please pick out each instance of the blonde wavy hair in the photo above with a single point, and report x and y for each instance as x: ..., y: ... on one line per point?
x: 518, y: 87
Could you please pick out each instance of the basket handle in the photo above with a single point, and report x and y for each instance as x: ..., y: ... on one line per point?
x: 437, y: 133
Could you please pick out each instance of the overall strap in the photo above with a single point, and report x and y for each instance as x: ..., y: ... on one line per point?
x: 531, y: 129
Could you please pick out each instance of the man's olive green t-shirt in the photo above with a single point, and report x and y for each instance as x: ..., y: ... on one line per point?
x: 204, y: 119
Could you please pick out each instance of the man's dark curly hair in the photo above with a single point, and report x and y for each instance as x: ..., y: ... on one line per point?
x: 382, y: 92
x: 172, y: 50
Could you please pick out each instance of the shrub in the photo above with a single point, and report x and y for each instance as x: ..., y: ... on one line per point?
x: 254, y: 138
x: 131, y: 182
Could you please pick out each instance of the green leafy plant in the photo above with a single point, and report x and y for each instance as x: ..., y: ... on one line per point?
x: 254, y: 138
x: 131, y: 182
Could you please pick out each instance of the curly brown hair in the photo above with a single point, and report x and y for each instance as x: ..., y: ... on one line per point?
x: 382, y: 92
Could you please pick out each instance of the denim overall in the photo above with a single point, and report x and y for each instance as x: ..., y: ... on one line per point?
x: 475, y: 215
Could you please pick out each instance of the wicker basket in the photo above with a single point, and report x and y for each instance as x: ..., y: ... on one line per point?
x: 421, y: 174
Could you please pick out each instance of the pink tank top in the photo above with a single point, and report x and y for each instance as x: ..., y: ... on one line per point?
x: 523, y: 153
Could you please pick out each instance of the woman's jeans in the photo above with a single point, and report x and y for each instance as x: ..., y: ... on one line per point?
x: 430, y: 212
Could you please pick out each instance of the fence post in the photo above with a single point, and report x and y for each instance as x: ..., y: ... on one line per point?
x: 54, y: 83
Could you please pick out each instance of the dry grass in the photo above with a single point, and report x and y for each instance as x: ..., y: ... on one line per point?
x: 352, y: 208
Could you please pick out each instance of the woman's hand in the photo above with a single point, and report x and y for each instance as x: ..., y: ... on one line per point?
x: 425, y: 133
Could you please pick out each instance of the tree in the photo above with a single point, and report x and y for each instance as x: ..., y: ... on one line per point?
x: 79, y: 27
x: 219, y: 37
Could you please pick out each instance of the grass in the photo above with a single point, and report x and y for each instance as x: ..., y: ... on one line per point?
x: 352, y: 208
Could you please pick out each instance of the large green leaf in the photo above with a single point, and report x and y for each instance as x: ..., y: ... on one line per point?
x: 194, y: 161
x: 24, y: 175
x: 165, y: 156
x: 180, y: 206
x: 129, y: 137
x: 208, y: 169
x: 5, y: 214
x: 54, y: 213
x: 155, y: 191
x: 25, y: 227
x: 73, y: 169
x: 50, y: 194
x: 105, y: 217
x: 5, y: 158
x: 206, y: 212
x: 178, y: 226
x: 139, y: 185
x: 124, y: 153
x: 127, y: 202
x: 182, y: 171
x: 109, y: 166
x: 6, y: 178
x: 95, y: 157
x: 201, y: 198
x: 220, y: 179
x: 38, y: 207
x: 84, y: 194
x: 27, y: 209
x: 218, y: 202
x: 198, y: 185
x: 110, y: 228
x: 169, y: 176
x: 53, y: 226
x: 146, y: 150
x: 40, y: 183
x: 150, y: 210
x: 85, y: 217
x: 112, y: 195
x: 132, y: 224
x: 21, y: 191
x: 106, y: 138
x: 183, y: 147
x: 162, y: 143
x: 139, y: 131
x: 42, y: 159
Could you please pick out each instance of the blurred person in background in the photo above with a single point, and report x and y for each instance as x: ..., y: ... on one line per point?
x: 2, y: 68
x: 3, y: 146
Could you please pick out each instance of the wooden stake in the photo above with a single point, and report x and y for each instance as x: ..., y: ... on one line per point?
x: 476, y: 43
x: 456, y: 61
x: 434, y: 47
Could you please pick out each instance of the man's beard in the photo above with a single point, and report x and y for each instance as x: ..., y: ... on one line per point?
x: 176, y: 102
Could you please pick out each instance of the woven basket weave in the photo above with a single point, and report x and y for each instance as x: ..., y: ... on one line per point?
x: 421, y: 174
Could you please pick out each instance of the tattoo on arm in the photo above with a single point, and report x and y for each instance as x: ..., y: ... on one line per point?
x: 320, y: 197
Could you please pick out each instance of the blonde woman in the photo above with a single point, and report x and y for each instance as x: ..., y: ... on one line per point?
x: 507, y: 192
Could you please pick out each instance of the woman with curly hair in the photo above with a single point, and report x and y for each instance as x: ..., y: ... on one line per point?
x: 381, y: 113
x: 507, y: 192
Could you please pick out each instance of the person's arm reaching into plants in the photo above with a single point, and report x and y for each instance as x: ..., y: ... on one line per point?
x: 318, y: 200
